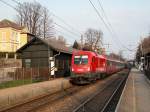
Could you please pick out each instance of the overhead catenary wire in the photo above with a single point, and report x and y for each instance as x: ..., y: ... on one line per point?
x: 4, y: 2
x: 73, y: 31
x: 107, y: 25
x: 64, y: 22
x: 66, y: 29
x: 113, y: 31
x: 59, y: 18
x: 16, y: 1
x: 101, y: 18
x: 99, y: 15
x: 64, y: 34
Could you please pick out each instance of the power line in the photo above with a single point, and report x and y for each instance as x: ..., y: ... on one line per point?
x: 8, y: 4
x: 113, y: 31
x: 16, y: 2
x: 63, y: 21
x: 59, y: 24
x: 66, y: 29
x: 64, y: 34
x: 55, y: 23
x: 99, y: 15
x: 101, y: 18
x: 59, y: 18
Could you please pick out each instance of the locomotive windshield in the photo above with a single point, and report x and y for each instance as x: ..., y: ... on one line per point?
x: 83, y: 59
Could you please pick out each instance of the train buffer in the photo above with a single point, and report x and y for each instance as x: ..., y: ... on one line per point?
x: 136, y: 94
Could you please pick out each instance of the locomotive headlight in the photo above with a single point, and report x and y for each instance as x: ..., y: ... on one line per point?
x: 72, y: 69
x: 88, y: 69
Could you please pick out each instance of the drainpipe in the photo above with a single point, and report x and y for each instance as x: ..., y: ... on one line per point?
x: 56, y: 55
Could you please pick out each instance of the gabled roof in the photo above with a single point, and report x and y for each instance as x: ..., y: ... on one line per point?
x: 7, y: 23
x: 51, y: 43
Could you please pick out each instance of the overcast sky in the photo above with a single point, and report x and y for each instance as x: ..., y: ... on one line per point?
x: 129, y: 18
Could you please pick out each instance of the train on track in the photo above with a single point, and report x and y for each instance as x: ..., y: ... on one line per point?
x: 88, y: 66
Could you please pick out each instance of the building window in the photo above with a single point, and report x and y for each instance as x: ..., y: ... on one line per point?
x: 18, y: 40
x: 59, y: 64
x: 12, y: 36
x: 3, y: 36
x: 17, y: 37
x: 3, y: 45
x: 27, y: 63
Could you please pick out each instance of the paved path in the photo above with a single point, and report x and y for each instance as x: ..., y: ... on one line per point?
x: 136, y: 96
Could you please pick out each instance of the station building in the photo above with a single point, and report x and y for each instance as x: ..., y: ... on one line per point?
x: 48, y: 55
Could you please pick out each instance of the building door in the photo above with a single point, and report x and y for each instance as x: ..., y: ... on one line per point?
x: 52, y: 67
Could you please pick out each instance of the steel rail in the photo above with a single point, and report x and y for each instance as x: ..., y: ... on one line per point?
x: 112, y: 96
x: 103, y: 89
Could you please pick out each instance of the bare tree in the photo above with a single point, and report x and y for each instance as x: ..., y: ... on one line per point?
x: 138, y: 54
x: 93, y: 40
x: 143, y: 48
x: 120, y: 54
x: 61, y: 40
x: 36, y: 18
x: 116, y: 56
x: 47, y: 24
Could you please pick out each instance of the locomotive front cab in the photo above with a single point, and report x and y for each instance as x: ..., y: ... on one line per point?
x: 80, y: 64
x: 81, y: 67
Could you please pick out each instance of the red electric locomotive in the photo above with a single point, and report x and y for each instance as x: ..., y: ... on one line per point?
x: 88, y: 66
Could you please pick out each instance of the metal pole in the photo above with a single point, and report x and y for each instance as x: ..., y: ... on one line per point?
x: 49, y: 67
x: 31, y: 74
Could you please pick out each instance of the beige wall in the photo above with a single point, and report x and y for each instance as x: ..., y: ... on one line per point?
x: 11, y: 39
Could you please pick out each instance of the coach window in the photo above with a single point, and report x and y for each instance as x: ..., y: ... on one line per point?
x: 111, y: 63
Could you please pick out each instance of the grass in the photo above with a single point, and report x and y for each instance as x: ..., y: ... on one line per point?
x: 16, y: 83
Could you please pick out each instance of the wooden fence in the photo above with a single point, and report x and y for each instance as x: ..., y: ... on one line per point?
x: 9, y: 74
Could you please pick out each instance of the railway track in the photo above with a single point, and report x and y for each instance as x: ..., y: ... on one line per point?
x: 104, y: 100
x: 49, y: 99
x: 36, y: 102
x: 71, y: 102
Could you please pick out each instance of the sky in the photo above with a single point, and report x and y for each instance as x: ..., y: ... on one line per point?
x: 130, y: 20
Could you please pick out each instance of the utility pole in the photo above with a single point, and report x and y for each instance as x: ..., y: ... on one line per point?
x: 107, y: 46
x: 81, y: 41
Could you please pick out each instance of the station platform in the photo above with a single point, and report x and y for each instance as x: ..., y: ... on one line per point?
x: 136, y: 94
x: 12, y: 96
